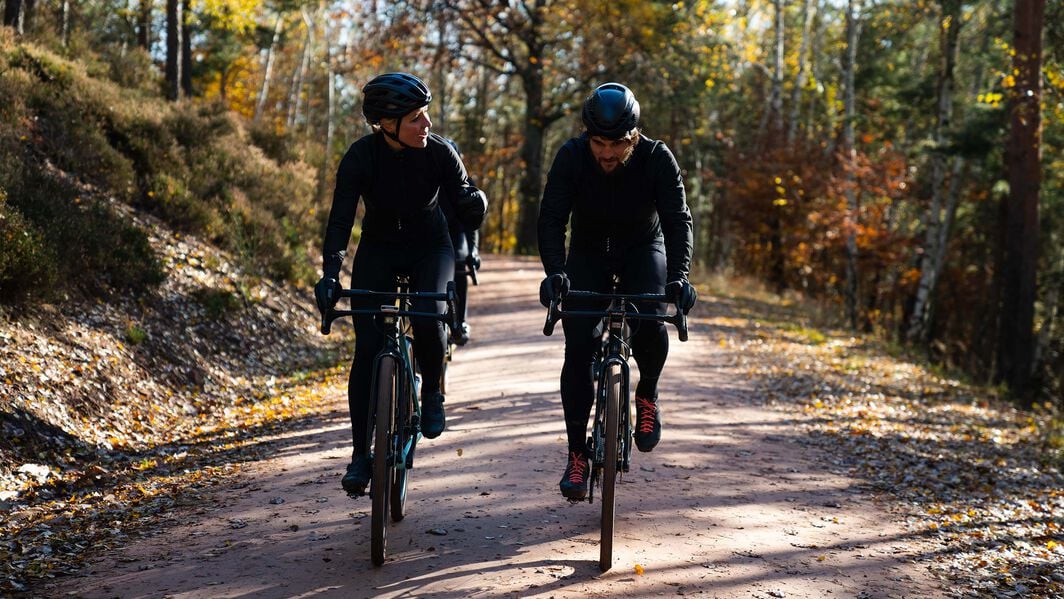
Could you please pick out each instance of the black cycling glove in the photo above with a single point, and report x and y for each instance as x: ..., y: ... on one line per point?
x: 553, y: 285
x: 327, y: 293
x: 682, y: 293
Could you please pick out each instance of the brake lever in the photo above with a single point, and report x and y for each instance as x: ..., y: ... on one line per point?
x: 552, y: 320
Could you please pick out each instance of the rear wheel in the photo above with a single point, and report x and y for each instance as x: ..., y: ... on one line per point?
x: 382, y: 450
x: 609, y: 468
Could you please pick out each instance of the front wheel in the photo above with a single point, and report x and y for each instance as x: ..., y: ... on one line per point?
x: 609, y: 467
x: 405, y: 433
x: 382, y: 451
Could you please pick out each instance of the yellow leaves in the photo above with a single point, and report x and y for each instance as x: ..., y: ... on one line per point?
x: 639, y: 569
x: 1008, y: 82
x: 991, y: 99
x: 1052, y: 545
x: 234, y: 15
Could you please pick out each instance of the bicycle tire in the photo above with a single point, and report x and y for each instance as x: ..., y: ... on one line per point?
x: 404, y: 429
x: 609, y: 468
x: 382, y: 468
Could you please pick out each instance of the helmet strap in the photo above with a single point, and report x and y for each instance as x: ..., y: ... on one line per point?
x: 395, y: 135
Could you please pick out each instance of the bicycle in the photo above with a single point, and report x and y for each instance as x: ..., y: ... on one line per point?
x: 610, y: 444
x: 395, y: 414
x: 462, y: 268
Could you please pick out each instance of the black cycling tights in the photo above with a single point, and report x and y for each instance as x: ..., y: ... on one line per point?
x: 642, y: 270
x: 461, y: 284
x: 374, y: 267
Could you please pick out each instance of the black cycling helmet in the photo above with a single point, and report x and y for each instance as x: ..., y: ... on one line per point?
x: 611, y: 111
x: 392, y: 95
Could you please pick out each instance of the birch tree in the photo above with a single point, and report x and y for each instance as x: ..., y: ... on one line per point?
x: 936, y: 232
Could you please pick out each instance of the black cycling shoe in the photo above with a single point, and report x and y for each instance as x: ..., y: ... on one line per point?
x: 647, y: 423
x: 433, y: 418
x: 574, y: 481
x: 357, y: 476
x: 461, y: 336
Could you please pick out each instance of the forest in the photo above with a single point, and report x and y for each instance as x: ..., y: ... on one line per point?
x: 897, y: 161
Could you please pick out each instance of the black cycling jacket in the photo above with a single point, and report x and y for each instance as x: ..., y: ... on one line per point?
x: 402, y: 190
x: 641, y: 203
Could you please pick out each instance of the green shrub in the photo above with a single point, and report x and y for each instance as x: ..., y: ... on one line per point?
x: 279, y: 146
x: 76, y: 141
x: 135, y: 335
x: 100, y: 250
x: 131, y: 68
x: 216, y: 302
x: 170, y: 198
x: 27, y: 266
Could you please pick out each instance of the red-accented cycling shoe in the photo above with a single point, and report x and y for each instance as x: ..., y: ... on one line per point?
x: 647, y: 423
x: 574, y: 482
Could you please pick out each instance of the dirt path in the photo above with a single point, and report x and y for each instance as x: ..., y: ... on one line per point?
x: 730, y: 504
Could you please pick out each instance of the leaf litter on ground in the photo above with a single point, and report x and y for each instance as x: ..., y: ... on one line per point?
x: 976, y: 481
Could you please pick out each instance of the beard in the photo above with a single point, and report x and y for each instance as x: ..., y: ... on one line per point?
x: 615, y: 165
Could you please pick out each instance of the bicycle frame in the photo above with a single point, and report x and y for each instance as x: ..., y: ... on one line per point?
x: 611, y: 433
x: 393, y: 416
x: 394, y: 324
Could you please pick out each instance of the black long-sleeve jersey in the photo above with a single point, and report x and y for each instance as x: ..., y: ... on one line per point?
x: 403, y: 191
x: 640, y: 203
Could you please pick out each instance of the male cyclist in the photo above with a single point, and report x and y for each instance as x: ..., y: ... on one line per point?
x: 625, y: 196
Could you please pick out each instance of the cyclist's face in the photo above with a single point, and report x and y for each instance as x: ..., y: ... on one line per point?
x: 413, y: 128
x: 612, y: 153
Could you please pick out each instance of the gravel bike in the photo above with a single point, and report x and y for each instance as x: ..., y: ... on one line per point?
x: 610, y: 444
x: 394, y: 418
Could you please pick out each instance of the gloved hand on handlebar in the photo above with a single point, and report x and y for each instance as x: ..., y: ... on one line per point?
x: 681, y: 293
x: 474, y: 259
x: 556, y: 284
x: 327, y: 293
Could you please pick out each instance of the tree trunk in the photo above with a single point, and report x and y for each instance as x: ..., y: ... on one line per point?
x: 173, y: 49
x: 186, y: 52
x: 439, y: 75
x: 64, y: 22
x: 330, y: 109
x: 808, y: 12
x: 12, y: 8
x: 264, y: 91
x: 853, y: 33
x: 773, y: 114
x: 296, y: 95
x: 936, y: 232
x: 144, y: 24
x: 536, y: 123
x: 1016, y: 341
x: 532, y: 158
